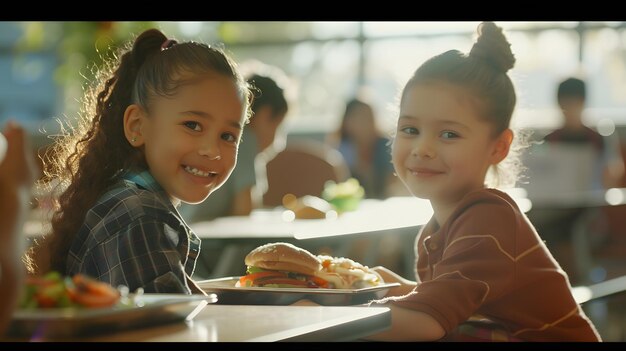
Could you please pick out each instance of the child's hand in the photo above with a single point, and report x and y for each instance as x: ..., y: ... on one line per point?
x: 17, y: 169
x: 391, y: 277
x: 16, y: 177
x: 17, y: 173
x: 388, y: 275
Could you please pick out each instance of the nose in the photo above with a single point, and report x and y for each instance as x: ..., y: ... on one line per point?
x: 423, y: 148
x: 210, y: 149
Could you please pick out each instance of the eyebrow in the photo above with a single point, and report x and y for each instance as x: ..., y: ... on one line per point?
x: 454, y: 123
x: 205, y: 115
x: 445, y: 121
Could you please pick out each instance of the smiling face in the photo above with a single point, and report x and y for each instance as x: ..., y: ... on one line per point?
x: 190, y: 139
x: 443, y: 148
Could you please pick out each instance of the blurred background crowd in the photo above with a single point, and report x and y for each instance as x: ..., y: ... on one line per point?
x: 336, y: 87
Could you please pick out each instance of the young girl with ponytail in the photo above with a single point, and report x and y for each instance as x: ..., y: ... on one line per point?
x: 161, y: 128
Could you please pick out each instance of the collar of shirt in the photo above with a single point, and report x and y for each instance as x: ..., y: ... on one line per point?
x: 145, y: 180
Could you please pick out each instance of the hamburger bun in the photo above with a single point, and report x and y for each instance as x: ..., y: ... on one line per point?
x: 284, y: 257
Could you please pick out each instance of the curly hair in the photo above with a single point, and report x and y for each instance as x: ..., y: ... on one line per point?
x: 88, y: 158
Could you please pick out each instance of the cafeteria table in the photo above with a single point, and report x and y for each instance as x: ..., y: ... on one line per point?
x: 255, y: 323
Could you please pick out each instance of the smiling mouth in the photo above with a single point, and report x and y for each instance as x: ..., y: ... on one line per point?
x: 199, y: 173
x: 424, y: 172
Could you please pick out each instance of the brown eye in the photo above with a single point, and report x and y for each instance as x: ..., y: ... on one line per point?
x: 449, y: 135
x: 193, y: 125
x: 410, y: 130
x: 229, y: 137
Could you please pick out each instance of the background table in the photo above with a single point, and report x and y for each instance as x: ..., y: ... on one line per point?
x: 371, y: 216
x: 396, y: 220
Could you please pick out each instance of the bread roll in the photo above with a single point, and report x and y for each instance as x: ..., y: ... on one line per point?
x: 283, y: 257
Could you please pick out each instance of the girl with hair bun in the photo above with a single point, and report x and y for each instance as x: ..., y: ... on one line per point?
x: 162, y: 127
x: 483, y: 273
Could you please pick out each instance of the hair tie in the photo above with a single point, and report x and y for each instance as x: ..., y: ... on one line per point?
x: 168, y: 44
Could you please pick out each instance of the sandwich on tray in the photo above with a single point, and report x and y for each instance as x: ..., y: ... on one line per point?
x: 284, y: 265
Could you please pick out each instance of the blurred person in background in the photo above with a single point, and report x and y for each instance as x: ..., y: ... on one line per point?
x: 557, y: 224
x: 243, y: 191
x: 365, y: 148
x: 571, y: 95
x: 17, y: 174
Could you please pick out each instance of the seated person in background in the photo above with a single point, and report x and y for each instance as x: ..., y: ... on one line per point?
x: 240, y: 193
x: 557, y: 224
x: 571, y: 96
x: 364, y: 148
x: 17, y: 173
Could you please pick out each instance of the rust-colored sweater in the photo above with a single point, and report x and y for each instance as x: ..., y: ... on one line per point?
x: 488, y: 260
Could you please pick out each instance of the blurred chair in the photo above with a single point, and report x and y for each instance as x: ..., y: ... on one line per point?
x: 562, y: 185
x: 556, y: 172
x: 599, y: 248
x: 303, y: 168
x: 599, y: 242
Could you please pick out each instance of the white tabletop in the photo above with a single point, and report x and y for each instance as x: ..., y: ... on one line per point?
x: 234, y: 323
x: 580, y: 199
x: 371, y: 216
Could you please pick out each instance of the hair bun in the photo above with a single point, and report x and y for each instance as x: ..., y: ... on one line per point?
x: 493, y: 47
x: 147, y: 44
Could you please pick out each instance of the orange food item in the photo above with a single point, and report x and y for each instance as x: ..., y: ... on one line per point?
x: 89, y: 292
x: 52, y: 290
x: 93, y: 300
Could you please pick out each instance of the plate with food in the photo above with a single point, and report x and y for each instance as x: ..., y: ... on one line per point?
x: 53, y: 306
x: 281, y: 274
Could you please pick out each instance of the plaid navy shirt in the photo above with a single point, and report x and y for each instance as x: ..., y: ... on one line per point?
x: 134, y: 236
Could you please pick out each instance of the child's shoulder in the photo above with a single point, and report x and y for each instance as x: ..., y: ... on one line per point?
x: 489, y: 196
x: 487, y: 206
x: 487, y: 213
x: 124, y: 204
x: 127, y: 196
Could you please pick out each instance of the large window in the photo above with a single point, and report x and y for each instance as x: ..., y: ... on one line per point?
x: 42, y: 63
x: 336, y: 61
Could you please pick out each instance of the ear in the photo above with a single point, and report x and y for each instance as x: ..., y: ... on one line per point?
x: 133, y: 119
x: 502, y: 146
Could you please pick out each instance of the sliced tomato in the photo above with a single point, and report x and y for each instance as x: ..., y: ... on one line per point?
x: 321, y: 282
x: 89, y: 292
x: 278, y: 277
x: 86, y: 284
x: 45, y: 301
x: 252, y: 278
x: 94, y: 300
